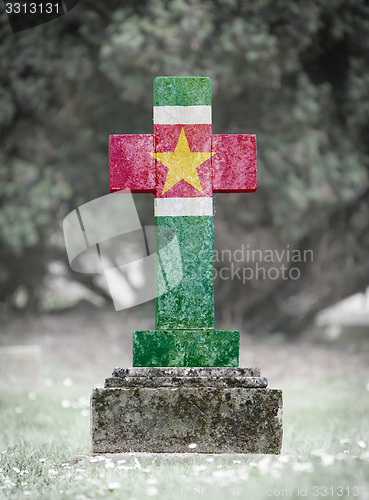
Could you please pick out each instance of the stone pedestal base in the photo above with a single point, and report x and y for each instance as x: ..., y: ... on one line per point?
x: 165, y: 410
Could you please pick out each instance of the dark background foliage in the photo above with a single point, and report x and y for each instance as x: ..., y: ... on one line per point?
x: 294, y: 73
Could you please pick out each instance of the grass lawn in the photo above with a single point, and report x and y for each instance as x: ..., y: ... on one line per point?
x: 325, y: 451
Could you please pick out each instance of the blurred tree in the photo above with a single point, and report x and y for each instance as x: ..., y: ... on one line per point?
x: 296, y: 74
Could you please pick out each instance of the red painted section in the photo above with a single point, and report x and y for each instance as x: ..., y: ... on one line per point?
x: 234, y: 165
x: 199, y: 140
x: 131, y: 165
x: 231, y: 169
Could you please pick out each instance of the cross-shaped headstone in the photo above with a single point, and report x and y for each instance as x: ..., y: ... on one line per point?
x: 183, y: 164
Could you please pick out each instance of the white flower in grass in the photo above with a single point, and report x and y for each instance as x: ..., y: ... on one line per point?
x: 26, y: 492
x: 65, y: 403
x: 42, y: 460
x: 52, y: 472
x: 109, y: 465
x: 361, y: 444
x: 15, y: 469
x: 327, y: 460
x: 94, y: 459
x: 114, y: 485
x: 84, y: 402
x: 192, y: 446
x: 85, y: 413
x: 199, y: 467
x: 67, y: 382
x: 122, y: 461
x: 220, y: 474
x: 243, y: 474
x: 303, y: 467
x: 210, y: 459
x: 264, y: 464
x: 18, y: 410
x: 275, y: 473
x: 318, y: 453
x: 152, y: 491
x: 341, y: 456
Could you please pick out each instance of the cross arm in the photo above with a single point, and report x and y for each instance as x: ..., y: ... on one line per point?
x: 234, y: 164
x: 131, y: 165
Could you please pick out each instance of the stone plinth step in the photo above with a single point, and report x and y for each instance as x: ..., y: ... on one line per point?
x: 186, y: 377
x: 173, y: 371
x: 167, y: 419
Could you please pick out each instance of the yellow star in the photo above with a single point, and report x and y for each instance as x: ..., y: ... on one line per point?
x: 182, y: 164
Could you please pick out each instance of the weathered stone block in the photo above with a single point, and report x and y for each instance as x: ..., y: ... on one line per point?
x: 167, y: 419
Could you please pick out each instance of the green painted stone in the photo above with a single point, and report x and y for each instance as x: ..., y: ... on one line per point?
x: 186, y: 348
x: 182, y: 91
x: 191, y: 304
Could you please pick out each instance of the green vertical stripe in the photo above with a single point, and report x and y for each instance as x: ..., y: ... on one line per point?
x: 189, y: 305
x: 182, y: 91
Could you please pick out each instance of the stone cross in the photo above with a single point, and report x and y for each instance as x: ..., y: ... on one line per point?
x: 183, y: 164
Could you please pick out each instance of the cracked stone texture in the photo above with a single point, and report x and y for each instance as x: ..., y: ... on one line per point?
x: 156, y: 420
x: 186, y: 381
x: 179, y: 348
x: 189, y: 377
x: 198, y: 371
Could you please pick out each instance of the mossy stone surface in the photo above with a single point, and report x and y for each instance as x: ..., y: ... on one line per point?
x: 182, y: 91
x: 159, y: 420
x: 187, y: 377
x: 186, y: 348
x: 191, y: 303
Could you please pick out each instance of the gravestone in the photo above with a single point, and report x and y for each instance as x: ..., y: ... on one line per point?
x: 185, y: 390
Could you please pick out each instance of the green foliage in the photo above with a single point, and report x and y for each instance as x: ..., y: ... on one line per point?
x: 31, y: 198
x: 294, y: 73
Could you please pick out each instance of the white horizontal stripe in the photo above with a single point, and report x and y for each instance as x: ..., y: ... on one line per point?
x: 186, y: 115
x: 171, y: 207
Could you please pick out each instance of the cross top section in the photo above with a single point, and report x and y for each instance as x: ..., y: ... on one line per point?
x: 182, y: 159
x: 182, y: 163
